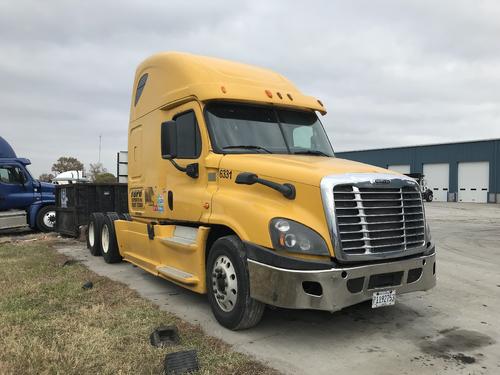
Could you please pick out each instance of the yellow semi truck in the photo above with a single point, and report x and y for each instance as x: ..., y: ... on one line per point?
x: 234, y: 191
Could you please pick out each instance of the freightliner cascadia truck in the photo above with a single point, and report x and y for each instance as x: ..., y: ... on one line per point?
x: 24, y: 201
x: 235, y: 192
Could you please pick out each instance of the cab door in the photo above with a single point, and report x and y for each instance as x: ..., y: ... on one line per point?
x: 187, y: 198
x: 16, y: 188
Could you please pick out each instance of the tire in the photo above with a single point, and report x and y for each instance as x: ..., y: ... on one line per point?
x: 93, y: 233
x: 46, y: 219
x: 429, y: 198
x: 236, y: 309
x: 125, y: 216
x: 109, y: 245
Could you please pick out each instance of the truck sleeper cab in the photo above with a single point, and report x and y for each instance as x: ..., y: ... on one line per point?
x: 23, y: 200
x: 234, y: 191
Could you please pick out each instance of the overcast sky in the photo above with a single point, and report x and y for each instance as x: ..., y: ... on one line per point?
x: 390, y: 72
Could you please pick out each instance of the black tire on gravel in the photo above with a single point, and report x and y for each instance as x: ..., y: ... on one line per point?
x: 245, y: 312
x: 94, y: 233
x: 46, y: 219
x: 109, y: 245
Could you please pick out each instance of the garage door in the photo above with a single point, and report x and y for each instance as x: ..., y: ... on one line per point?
x: 437, y: 177
x: 400, y: 168
x: 473, y: 181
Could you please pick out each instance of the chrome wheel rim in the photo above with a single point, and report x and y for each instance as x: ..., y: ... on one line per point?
x: 224, y: 283
x: 105, y: 238
x: 91, y: 234
x: 49, y: 219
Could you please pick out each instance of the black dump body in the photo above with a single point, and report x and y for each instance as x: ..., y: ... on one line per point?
x: 75, y: 203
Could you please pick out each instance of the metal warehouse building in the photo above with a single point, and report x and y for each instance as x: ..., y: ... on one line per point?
x: 463, y: 172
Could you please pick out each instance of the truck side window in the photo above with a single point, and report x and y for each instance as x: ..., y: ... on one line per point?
x: 11, y: 175
x: 188, y: 136
x: 140, y: 87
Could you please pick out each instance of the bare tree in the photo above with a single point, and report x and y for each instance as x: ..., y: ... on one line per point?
x: 95, y: 170
x: 67, y: 163
x: 46, y: 177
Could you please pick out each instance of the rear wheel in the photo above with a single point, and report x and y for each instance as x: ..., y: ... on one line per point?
x: 109, y: 245
x: 46, y: 219
x: 228, y: 285
x: 93, y: 233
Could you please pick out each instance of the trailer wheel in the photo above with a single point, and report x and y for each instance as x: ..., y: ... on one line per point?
x: 125, y: 216
x: 46, y: 219
x: 93, y: 233
x: 229, y: 287
x: 109, y: 245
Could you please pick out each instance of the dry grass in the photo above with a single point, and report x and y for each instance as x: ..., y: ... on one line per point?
x: 50, y: 325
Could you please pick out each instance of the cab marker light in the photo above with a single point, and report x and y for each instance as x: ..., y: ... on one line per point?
x: 269, y: 93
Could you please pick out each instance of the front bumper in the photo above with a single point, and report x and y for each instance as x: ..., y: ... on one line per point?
x: 335, y: 288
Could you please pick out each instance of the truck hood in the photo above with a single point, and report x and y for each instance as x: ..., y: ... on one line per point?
x: 306, y: 169
x: 46, y: 187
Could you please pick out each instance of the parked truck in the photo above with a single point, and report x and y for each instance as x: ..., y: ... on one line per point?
x: 24, y: 201
x: 234, y: 191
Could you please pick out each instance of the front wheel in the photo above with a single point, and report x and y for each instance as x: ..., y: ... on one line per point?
x: 229, y: 287
x: 46, y: 219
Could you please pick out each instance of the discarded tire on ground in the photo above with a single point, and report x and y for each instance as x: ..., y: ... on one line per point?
x: 164, y: 336
x: 184, y: 362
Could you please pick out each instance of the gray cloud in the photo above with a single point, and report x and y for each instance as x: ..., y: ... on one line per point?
x: 390, y: 72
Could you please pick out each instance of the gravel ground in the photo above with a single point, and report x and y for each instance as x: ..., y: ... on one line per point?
x: 452, y: 329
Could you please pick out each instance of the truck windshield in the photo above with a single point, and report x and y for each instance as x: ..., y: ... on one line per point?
x: 239, y: 128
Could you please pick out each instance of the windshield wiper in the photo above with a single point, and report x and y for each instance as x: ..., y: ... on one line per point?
x: 248, y: 147
x: 311, y: 152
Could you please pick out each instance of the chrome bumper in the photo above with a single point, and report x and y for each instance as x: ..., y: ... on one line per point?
x: 285, y: 288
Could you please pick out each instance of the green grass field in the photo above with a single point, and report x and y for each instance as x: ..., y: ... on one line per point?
x: 50, y: 325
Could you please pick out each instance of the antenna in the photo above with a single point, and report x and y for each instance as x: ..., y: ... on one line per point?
x: 100, y: 138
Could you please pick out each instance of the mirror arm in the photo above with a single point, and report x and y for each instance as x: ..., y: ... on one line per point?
x: 192, y: 170
x: 177, y: 166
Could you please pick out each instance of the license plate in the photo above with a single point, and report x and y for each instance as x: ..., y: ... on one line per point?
x: 384, y: 298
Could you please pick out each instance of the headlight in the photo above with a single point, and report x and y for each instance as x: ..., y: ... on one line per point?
x: 297, y: 238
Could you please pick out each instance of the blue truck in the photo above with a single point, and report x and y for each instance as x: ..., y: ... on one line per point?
x: 24, y: 201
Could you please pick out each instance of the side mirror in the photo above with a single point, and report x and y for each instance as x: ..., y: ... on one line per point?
x: 23, y: 178
x: 169, y: 140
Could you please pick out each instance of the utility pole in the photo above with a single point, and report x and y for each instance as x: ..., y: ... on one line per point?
x: 100, y: 138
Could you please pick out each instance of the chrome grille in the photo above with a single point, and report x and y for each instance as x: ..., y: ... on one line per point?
x: 378, y: 220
